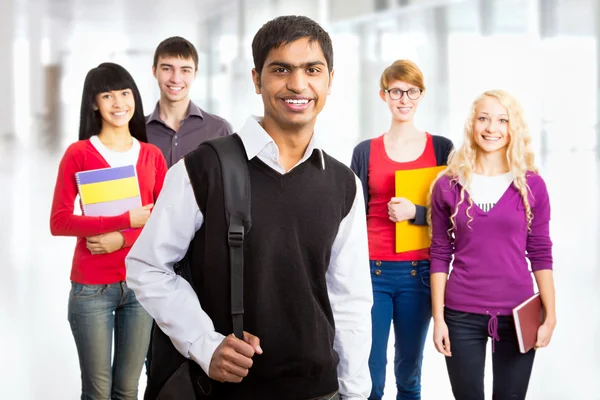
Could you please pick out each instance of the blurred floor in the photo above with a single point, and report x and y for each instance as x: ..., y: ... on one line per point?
x: 39, y: 359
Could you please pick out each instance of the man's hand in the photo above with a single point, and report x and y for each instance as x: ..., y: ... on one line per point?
x: 104, y: 244
x: 233, y: 358
x: 401, y: 209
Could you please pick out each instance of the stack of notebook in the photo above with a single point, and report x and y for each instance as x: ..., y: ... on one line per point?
x: 108, y: 191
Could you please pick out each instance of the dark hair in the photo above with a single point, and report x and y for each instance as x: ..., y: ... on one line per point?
x: 176, y: 47
x: 287, y: 29
x: 105, y: 78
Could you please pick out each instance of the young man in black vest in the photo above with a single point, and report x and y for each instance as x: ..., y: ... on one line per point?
x: 307, y: 296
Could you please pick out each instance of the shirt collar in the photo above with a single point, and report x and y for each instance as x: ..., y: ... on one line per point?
x: 193, y: 110
x: 256, y: 140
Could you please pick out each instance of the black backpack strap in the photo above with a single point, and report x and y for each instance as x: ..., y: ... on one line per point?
x: 236, y: 190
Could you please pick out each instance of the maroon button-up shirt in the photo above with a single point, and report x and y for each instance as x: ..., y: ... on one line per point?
x: 197, y: 127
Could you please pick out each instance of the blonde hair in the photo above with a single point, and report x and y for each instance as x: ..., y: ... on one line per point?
x: 402, y: 70
x: 519, y: 155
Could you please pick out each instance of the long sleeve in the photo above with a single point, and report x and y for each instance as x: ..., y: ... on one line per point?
x: 62, y: 220
x: 130, y: 236
x: 420, y: 216
x: 160, y: 169
x: 167, y: 297
x: 539, y: 244
x: 360, y: 166
x: 161, y: 172
x: 351, y: 298
x: 442, y: 248
x: 355, y: 164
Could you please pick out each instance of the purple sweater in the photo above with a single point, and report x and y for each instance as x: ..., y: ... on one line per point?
x: 490, y: 273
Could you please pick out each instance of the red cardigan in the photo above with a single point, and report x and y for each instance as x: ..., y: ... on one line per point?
x: 88, y: 268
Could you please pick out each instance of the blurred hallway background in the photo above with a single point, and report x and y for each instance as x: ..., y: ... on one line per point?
x: 546, y: 52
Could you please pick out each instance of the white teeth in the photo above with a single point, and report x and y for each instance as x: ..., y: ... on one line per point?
x: 404, y: 108
x: 491, y: 138
x: 120, y: 113
x: 175, y: 88
x: 296, y: 101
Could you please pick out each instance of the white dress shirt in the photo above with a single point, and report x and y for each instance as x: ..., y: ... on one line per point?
x: 175, y: 306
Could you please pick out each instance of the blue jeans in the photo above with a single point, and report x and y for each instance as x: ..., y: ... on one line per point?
x: 468, y: 340
x: 95, y: 312
x: 401, y: 293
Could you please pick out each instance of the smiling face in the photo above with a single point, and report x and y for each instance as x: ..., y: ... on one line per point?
x: 404, y: 108
x: 490, y: 125
x: 174, y: 76
x: 294, y: 84
x: 116, y: 107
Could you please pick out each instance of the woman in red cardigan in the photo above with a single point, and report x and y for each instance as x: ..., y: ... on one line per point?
x: 112, y: 133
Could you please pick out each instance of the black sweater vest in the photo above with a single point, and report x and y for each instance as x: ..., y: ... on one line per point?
x: 295, y: 220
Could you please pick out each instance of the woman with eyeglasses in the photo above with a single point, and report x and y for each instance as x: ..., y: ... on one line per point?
x: 401, y: 290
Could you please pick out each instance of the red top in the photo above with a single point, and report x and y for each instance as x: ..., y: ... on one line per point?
x: 88, y: 268
x: 382, y: 187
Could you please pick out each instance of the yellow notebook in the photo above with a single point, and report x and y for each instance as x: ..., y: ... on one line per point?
x: 414, y: 185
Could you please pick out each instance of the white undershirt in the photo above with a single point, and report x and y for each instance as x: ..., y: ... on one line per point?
x: 116, y: 158
x: 485, y: 191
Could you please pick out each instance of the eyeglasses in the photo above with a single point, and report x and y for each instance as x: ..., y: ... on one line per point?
x: 396, y: 94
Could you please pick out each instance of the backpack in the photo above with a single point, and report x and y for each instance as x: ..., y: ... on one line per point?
x: 236, y: 189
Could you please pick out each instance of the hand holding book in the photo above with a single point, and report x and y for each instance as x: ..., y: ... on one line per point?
x: 412, y: 188
x: 544, y: 334
x: 545, y: 283
x: 113, y: 241
x: 532, y: 326
x: 401, y: 209
x: 106, y: 243
x: 139, y: 216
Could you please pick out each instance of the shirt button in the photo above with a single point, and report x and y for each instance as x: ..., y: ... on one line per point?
x: 377, y: 272
x: 378, y: 263
x: 413, y: 272
x: 175, y: 136
x: 176, y: 143
x: 415, y: 263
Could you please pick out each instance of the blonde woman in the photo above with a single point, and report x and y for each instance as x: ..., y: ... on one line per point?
x: 490, y: 210
x: 400, y: 280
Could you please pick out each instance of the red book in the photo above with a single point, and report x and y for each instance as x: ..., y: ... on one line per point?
x: 529, y: 316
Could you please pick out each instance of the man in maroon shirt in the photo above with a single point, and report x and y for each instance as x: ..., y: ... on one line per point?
x: 177, y: 125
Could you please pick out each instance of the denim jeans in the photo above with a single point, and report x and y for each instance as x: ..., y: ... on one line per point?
x: 401, y: 294
x: 95, y: 312
x: 468, y: 339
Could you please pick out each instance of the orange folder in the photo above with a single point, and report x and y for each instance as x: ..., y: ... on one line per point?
x: 414, y: 185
